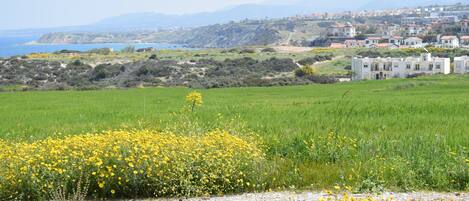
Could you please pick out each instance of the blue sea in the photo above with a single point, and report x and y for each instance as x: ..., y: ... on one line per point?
x: 13, y: 46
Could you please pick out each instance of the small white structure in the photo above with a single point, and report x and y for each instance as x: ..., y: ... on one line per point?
x: 372, y: 41
x: 449, y: 42
x: 464, y: 41
x: 461, y: 65
x: 341, y: 31
x: 465, y: 26
x: 414, y: 42
x: 414, y: 30
x: 384, y: 68
x: 354, y: 43
x: 396, y: 40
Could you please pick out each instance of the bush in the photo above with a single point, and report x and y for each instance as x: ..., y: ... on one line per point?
x: 129, y: 164
x: 315, y: 59
x: 306, y: 71
x: 247, y: 51
x: 269, y: 49
x: 153, y: 57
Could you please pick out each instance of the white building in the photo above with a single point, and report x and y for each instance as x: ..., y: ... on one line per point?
x: 449, y: 42
x: 372, y: 41
x: 396, y: 40
x: 415, y: 30
x: 464, y: 41
x: 384, y: 68
x: 341, y: 31
x: 461, y: 65
x: 465, y: 26
x: 414, y: 42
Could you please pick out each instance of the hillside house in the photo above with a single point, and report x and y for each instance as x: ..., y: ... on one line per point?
x: 396, y: 40
x: 449, y: 42
x: 354, y: 43
x: 385, y: 68
x: 465, y: 26
x: 415, y: 30
x: 461, y: 65
x: 464, y: 41
x: 341, y: 31
x: 414, y: 42
x: 387, y: 30
x: 372, y: 41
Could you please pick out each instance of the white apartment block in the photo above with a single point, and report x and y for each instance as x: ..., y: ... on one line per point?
x: 384, y: 68
x: 461, y: 65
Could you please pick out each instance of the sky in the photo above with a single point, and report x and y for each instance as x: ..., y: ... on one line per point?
x: 26, y: 14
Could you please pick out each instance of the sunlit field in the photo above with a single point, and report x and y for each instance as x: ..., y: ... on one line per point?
x: 398, y: 135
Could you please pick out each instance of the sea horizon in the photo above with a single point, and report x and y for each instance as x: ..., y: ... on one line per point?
x: 18, y: 46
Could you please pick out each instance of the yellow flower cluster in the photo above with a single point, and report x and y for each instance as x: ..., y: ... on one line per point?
x: 194, y: 98
x: 39, y: 56
x: 129, y: 164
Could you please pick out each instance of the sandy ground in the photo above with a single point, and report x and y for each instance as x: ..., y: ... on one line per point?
x: 291, y: 49
x: 313, y: 196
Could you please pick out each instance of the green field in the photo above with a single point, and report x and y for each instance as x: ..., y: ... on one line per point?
x: 371, y: 135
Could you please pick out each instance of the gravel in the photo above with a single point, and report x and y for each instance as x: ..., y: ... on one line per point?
x: 313, y: 196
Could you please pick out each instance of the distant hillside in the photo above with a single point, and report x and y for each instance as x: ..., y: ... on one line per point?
x: 245, y: 33
x: 382, y: 4
x: 140, y: 21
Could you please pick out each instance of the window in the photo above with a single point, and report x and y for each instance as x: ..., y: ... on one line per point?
x: 438, y: 66
x: 417, y: 66
x: 430, y: 67
x: 408, y: 66
x: 365, y: 65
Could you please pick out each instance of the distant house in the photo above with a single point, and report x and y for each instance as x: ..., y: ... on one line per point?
x: 372, y: 41
x: 461, y: 65
x: 354, y: 43
x: 414, y: 42
x: 464, y: 41
x: 449, y: 42
x: 396, y: 40
x: 465, y: 26
x: 338, y: 30
x: 387, y: 30
x: 414, y: 30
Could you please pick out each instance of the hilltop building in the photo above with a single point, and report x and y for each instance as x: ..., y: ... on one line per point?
x: 465, y: 26
x: 341, y: 31
x: 384, y: 68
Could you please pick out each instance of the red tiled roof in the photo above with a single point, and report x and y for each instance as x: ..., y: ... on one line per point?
x: 414, y: 38
x: 448, y: 37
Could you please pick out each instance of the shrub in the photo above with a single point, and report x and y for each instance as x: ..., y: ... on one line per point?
x: 247, y: 51
x: 306, y: 71
x: 269, y: 49
x: 129, y: 164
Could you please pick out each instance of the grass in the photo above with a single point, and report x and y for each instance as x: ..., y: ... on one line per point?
x: 371, y: 135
